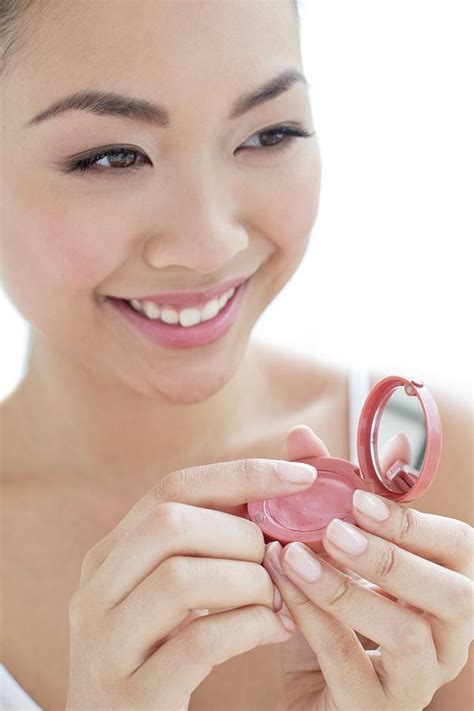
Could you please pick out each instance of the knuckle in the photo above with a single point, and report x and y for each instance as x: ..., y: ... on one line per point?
x: 255, y: 538
x: 337, y: 645
x: 387, y: 563
x: 172, y: 486
x: 340, y: 594
x: 261, y: 619
x: 171, y: 517
x: 407, y: 525
x: 413, y: 635
x: 175, y: 574
x: 246, y: 471
x: 264, y: 581
x: 206, y: 638
x: 303, y: 608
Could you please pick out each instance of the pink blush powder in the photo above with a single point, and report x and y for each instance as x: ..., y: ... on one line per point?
x: 315, y: 508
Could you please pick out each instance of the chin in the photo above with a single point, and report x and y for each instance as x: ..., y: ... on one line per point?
x: 190, y: 380
x: 193, y: 387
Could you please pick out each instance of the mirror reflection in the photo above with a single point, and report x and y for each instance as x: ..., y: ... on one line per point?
x: 398, y: 440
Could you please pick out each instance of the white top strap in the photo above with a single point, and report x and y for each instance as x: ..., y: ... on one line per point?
x: 12, y: 696
x: 358, y: 383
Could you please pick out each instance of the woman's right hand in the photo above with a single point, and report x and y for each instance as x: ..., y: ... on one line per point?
x: 133, y: 644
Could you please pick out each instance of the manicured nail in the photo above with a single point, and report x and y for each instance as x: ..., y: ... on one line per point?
x: 277, y: 601
x: 370, y: 505
x: 272, y: 558
x: 296, y: 472
x: 302, y: 562
x: 287, y: 621
x: 346, y: 537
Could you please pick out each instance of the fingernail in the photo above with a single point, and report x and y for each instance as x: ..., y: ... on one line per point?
x: 296, y: 472
x: 277, y: 601
x: 370, y: 505
x: 287, y: 621
x: 346, y: 537
x: 302, y: 562
x: 273, y: 556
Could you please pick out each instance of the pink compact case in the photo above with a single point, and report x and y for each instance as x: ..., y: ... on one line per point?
x: 399, y: 447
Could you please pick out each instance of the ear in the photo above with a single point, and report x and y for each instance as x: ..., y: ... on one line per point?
x: 302, y: 443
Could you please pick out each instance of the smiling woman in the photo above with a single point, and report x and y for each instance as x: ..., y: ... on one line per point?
x: 160, y: 181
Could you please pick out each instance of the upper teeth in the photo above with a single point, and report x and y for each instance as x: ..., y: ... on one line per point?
x: 186, y: 316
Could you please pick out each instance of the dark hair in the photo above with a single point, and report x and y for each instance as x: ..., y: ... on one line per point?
x: 17, y: 17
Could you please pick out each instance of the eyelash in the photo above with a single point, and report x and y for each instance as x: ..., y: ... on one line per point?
x: 85, y: 164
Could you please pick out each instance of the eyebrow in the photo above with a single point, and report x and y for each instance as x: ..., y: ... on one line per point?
x: 105, y: 103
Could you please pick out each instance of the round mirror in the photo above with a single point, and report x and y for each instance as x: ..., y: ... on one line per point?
x: 398, y: 439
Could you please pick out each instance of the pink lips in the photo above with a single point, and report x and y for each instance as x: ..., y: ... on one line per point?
x: 192, y: 298
x: 176, y: 336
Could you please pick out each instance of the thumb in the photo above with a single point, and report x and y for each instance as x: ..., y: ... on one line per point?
x: 302, y: 443
x: 398, y: 447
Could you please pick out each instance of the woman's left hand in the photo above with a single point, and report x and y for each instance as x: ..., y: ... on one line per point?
x: 419, y: 610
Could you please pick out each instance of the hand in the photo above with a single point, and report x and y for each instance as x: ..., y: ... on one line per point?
x: 135, y: 641
x: 420, y: 617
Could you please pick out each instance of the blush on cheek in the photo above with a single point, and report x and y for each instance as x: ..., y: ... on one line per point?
x: 76, y: 255
x: 48, y: 253
x: 61, y: 251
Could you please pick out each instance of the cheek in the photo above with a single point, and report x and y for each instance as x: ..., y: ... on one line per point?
x: 50, y: 250
x: 289, y: 201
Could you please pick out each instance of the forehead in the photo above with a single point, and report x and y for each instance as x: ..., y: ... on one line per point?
x: 177, y: 41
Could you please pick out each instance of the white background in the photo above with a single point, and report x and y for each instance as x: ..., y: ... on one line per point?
x: 386, y: 280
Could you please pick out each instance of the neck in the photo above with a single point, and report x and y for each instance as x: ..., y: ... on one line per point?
x: 68, y: 422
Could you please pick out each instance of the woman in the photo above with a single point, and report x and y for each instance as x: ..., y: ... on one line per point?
x: 136, y: 428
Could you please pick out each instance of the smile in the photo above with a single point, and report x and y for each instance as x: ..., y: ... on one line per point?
x: 187, y: 316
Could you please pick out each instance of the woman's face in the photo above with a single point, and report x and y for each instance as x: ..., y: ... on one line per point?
x: 206, y: 199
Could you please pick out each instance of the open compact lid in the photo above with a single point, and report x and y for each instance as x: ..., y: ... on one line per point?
x: 399, y: 438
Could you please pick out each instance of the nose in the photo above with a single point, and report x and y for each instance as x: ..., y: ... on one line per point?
x: 205, y: 236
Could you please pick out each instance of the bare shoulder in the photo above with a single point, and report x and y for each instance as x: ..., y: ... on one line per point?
x: 303, y: 389
x: 452, y: 492
x: 298, y: 380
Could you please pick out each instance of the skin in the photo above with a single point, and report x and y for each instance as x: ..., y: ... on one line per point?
x: 86, y: 237
x: 421, y: 630
x: 114, y: 403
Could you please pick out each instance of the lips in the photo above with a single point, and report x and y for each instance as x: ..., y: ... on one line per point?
x: 191, y: 298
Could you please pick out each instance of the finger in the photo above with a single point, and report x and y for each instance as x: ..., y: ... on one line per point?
x: 442, y: 592
x: 173, y: 529
x: 192, y: 614
x: 398, y: 447
x: 348, y: 672
x: 302, y: 443
x: 214, y: 486
x: 404, y: 636
x: 438, y: 538
x: 180, y: 665
x: 180, y: 584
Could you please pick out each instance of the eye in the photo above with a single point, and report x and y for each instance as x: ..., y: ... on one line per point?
x: 123, y: 159
x: 116, y: 158
x: 290, y: 134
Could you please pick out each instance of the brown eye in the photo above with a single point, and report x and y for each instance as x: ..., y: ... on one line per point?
x: 278, y: 137
x: 120, y: 158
